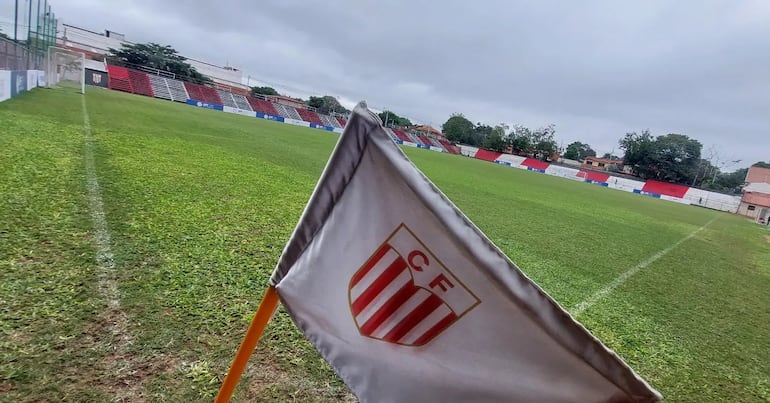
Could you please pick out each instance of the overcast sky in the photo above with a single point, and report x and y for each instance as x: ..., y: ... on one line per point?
x: 596, y: 71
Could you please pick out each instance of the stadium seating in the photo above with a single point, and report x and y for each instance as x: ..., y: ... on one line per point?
x: 664, y: 188
x: 487, y: 155
x: 160, y: 87
x: 119, y: 79
x: 329, y: 121
x: 436, y: 143
x: 203, y: 94
x: 287, y: 111
x: 535, y: 164
x: 140, y: 82
x: 177, y: 90
x: 227, y: 98
x: 449, y: 147
x: 342, y: 121
x: 594, y: 176
x: 391, y: 134
x: 310, y: 116
x: 241, y: 101
x: 401, y: 135
x: 260, y: 105
x: 424, y: 139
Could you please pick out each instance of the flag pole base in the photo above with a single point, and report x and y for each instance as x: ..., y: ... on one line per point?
x: 265, y: 311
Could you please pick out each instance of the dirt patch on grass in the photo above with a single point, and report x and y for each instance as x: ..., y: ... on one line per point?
x: 269, y: 382
x: 5, y: 387
x: 767, y: 238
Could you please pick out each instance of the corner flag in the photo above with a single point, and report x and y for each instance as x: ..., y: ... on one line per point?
x: 409, y: 302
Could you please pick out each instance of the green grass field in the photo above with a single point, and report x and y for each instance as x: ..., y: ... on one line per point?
x: 199, y: 204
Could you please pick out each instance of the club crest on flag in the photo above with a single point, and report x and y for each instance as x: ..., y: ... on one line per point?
x: 404, y: 294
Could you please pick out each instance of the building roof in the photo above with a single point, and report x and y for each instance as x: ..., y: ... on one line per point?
x: 428, y: 129
x: 757, y: 174
x: 604, y: 160
x: 757, y: 199
x: 758, y: 187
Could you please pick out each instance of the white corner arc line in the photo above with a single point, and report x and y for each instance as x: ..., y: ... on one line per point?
x: 122, y: 366
x: 623, y: 277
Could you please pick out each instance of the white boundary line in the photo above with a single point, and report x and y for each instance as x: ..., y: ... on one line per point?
x: 121, y: 365
x: 618, y: 281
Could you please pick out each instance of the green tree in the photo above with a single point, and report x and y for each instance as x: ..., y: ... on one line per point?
x: 263, y: 91
x: 672, y: 157
x: 578, y: 151
x: 482, y: 131
x: 327, y: 105
x: 761, y: 164
x: 638, y: 149
x: 392, y: 119
x: 160, y: 57
x: 459, y: 129
x: 610, y: 156
x: 544, y: 142
x: 494, y: 141
x: 520, y: 139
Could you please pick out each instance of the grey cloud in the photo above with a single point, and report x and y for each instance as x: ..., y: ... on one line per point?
x: 595, y: 70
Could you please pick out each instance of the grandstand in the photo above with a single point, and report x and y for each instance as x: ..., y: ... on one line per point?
x: 148, y: 84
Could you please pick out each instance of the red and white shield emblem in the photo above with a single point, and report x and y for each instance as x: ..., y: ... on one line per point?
x: 404, y: 294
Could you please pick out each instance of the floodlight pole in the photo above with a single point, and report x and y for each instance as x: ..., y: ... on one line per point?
x: 29, y: 32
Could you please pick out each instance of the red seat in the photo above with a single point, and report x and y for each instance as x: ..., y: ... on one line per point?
x: 260, y: 105
x: 401, y: 135
x: 535, y: 164
x: 309, y: 116
x: 342, y: 122
x: 203, y: 93
x: 665, y: 188
x: 449, y: 147
x: 425, y: 140
x: 140, y: 83
x: 119, y: 79
x: 487, y: 155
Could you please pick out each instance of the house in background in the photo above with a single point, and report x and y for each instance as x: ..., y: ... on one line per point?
x: 606, y: 164
x: 755, y: 202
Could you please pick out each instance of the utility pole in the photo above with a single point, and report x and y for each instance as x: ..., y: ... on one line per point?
x: 16, y: 21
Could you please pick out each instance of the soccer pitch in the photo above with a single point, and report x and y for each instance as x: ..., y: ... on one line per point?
x: 198, y: 205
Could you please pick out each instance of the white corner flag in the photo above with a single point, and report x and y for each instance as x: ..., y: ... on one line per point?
x: 409, y: 302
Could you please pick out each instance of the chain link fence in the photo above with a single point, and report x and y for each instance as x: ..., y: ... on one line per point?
x: 16, y: 56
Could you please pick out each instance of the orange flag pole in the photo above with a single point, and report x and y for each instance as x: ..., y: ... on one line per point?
x: 265, y: 311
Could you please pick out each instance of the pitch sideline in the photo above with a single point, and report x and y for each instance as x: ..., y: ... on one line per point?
x: 121, y: 365
x: 621, y: 279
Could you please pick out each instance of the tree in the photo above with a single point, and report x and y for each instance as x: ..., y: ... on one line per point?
x: 263, y: 91
x: 578, y: 151
x: 761, y: 164
x: 672, y: 157
x: 160, y: 57
x: 609, y: 156
x: 327, y: 105
x: 520, y: 139
x: 544, y: 142
x: 459, y: 129
x: 729, y: 182
x: 494, y: 141
x: 390, y: 118
x: 482, y: 131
